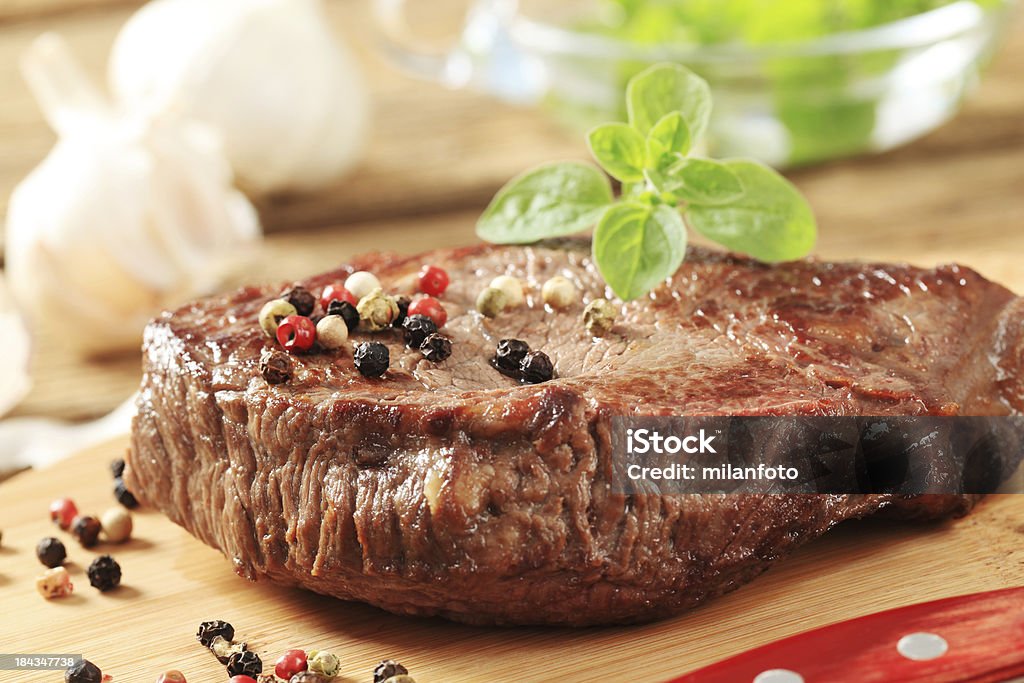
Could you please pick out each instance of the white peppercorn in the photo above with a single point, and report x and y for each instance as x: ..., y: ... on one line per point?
x: 332, y: 332
x: 558, y: 292
x: 361, y: 283
x: 117, y: 525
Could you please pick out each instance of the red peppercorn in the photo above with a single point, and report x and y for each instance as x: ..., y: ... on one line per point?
x: 241, y: 679
x: 433, y: 281
x: 290, y: 663
x: 336, y: 292
x: 296, y: 333
x: 63, y: 511
x: 430, y: 307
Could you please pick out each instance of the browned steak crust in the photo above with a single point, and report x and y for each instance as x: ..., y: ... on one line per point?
x: 450, y: 489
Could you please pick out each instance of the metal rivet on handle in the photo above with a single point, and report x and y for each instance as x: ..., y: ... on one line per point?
x: 779, y: 676
x: 922, y: 646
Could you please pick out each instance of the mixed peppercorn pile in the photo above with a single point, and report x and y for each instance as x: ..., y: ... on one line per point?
x: 301, y: 322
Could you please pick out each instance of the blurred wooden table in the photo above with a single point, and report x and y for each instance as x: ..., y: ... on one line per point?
x: 436, y: 157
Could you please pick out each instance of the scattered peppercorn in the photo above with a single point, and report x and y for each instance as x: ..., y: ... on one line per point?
x: 347, y: 312
x: 83, y: 671
x: 336, y: 292
x: 512, y: 287
x: 275, y: 366
x: 222, y: 648
x: 296, y: 334
x: 307, y: 677
x: 403, y: 311
x: 361, y: 283
x: 536, y: 368
x: 208, y: 630
x: 63, y: 512
x: 262, y: 678
x: 372, y: 359
x: 51, y: 552
x: 55, y: 583
x: 172, y: 676
x: 246, y: 663
x: 377, y: 310
x: 332, y: 332
x: 433, y: 281
x: 272, y: 313
x: 117, y: 467
x: 242, y: 679
x: 400, y: 678
x: 302, y: 299
x: 387, y: 669
x: 104, y: 573
x: 508, y: 357
x: 290, y: 663
x: 491, y: 302
x: 117, y: 525
x: 124, y: 496
x: 599, y: 317
x: 430, y: 307
x: 436, y: 348
x: 324, y: 663
x: 558, y: 292
x: 416, y: 328
x: 86, y: 529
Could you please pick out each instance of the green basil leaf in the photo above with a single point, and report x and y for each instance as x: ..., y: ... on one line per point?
x: 620, y: 150
x: 548, y: 201
x: 771, y: 221
x: 637, y: 246
x: 702, y: 181
x: 665, y: 88
x: 669, y: 136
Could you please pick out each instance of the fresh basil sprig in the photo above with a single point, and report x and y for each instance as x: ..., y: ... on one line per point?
x: 640, y: 239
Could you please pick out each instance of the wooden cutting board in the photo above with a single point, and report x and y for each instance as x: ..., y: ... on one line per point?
x: 172, y: 582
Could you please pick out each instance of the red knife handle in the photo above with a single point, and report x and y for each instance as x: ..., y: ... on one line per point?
x: 980, y: 637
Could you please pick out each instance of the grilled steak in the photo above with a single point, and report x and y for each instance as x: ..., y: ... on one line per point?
x: 451, y: 489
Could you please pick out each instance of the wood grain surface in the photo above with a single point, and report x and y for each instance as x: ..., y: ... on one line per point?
x: 172, y: 582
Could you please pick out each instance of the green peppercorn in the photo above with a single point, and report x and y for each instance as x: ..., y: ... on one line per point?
x: 272, y: 313
x: 491, y: 302
x: 322, y: 662
x: 388, y: 669
x: 599, y: 317
x: 222, y: 648
x: 51, y: 552
x: 377, y: 310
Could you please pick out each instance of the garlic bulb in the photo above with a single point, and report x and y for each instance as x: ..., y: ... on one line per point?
x: 14, y: 340
x: 284, y: 94
x: 126, y: 215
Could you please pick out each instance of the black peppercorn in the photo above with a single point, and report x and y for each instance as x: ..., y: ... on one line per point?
x: 372, y: 359
x: 83, y: 671
x: 416, y: 328
x: 508, y: 357
x: 51, y: 552
x: 87, y: 530
x: 208, y: 630
x: 436, y: 348
x: 347, y: 312
x: 307, y: 677
x: 403, y: 311
x: 123, y: 495
x: 387, y: 669
x: 302, y: 299
x: 275, y: 366
x: 536, y: 368
x: 104, y: 573
x: 117, y: 467
x: 246, y: 663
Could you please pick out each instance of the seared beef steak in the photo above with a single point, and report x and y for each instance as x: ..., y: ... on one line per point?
x: 451, y: 489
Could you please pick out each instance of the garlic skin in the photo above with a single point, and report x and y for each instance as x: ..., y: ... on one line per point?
x: 16, y: 345
x: 284, y: 94
x: 125, y: 217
